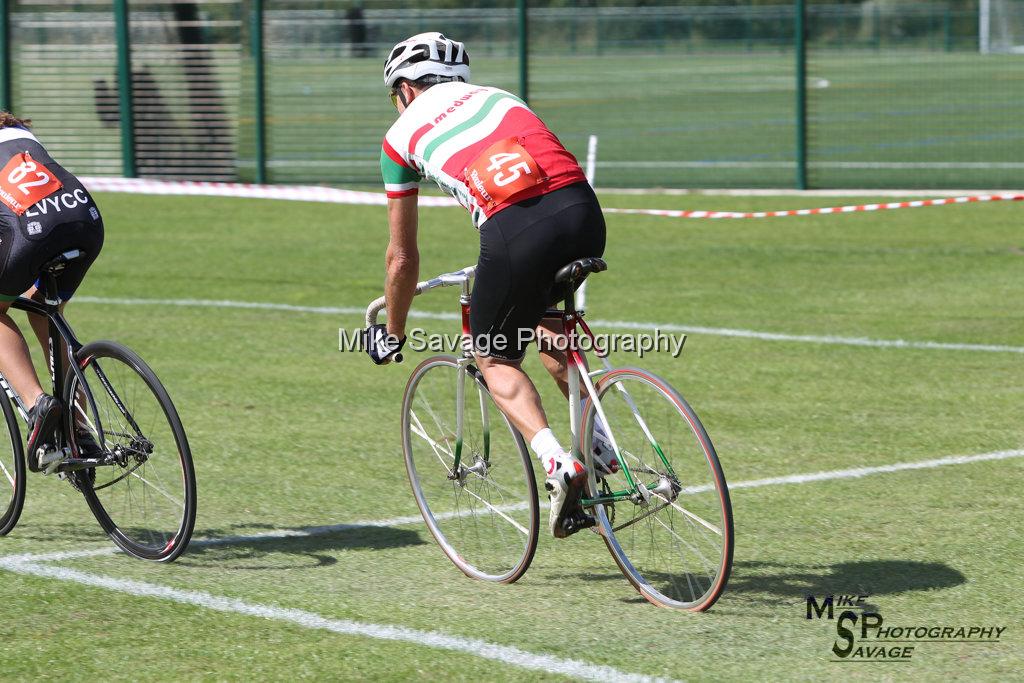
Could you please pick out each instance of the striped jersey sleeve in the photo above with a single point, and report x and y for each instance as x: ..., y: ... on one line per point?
x: 400, y: 179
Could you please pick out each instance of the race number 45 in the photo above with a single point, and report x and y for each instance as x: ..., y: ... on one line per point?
x: 24, y: 182
x: 507, y: 176
x: 502, y: 171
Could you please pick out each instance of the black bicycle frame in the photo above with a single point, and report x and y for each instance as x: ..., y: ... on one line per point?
x: 60, y: 331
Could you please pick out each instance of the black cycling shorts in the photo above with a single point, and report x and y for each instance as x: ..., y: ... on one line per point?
x: 521, y: 249
x: 22, y: 257
x: 62, y: 220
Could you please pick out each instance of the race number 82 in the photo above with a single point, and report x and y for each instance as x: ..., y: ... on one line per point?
x: 22, y: 170
x: 25, y: 181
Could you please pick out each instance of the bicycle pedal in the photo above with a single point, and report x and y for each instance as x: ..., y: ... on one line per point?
x: 578, y: 522
x: 49, y: 461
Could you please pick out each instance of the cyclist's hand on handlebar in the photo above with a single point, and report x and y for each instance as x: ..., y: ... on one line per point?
x: 381, y: 346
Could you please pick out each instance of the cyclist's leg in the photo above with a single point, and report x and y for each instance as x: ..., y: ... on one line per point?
x: 498, y: 349
x: 15, y: 360
x: 551, y: 345
x: 521, y: 248
x: 583, y: 235
x: 15, y: 277
x: 514, y: 393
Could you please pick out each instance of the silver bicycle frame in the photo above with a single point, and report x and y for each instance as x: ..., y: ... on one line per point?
x: 459, y: 277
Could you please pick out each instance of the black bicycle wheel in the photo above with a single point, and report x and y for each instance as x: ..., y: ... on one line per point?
x: 145, y: 496
x: 12, y: 470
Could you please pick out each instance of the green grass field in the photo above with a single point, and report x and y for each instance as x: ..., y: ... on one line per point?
x: 698, y: 120
x: 289, y: 434
x: 892, y: 118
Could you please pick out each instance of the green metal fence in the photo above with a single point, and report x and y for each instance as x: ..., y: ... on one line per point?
x: 726, y: 93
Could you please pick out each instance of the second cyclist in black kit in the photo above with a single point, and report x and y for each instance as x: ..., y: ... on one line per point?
x: 44, y: 211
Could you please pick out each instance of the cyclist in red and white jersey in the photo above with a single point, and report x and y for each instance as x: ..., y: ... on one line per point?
x: 535, y: 212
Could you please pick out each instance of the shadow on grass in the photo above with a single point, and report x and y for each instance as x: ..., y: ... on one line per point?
x: 768, y: 583
x: 863, y: 577
x: 86, y: 532
x: 243, y: 546
x: 314, y: 546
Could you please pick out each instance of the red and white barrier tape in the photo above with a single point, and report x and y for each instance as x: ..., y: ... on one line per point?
x: 301, y: 193
x: 312, y: 193
x: 823, y: 211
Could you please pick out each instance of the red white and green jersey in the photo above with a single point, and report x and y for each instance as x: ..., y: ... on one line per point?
x: 448, y: 127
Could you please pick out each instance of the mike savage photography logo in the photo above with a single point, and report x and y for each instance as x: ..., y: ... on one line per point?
x: 418, y: 339
x: 863, y: 635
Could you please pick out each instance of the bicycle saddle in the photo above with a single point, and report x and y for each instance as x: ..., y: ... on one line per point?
x: 580, y: 268
x: 57, y: 263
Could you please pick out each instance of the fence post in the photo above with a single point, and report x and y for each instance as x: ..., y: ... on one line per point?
x: 259, y: 89
x: 877, y: 21
x: 800, y: 35
x: 124, y: 88
x: 947, y: 28
x: 6, y: 96
x: 524, y: 70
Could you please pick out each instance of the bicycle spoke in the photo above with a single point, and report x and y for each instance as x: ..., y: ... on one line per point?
x: 693, y: 549
x: 158, y: 490
x: 700, y: 520
x: 643, y: 515
x: 485, y: 519
x: 676, y: 551
x: 499, y: 512
x: 437, y: 448
x: 87, y: 421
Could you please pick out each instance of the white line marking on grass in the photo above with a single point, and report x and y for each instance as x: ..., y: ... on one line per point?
x: 855, y: 472
x: 433, y: 639
x: 618, y: 324
x: 32, y: 565
x: 810, y: 338
x: 277, y: 534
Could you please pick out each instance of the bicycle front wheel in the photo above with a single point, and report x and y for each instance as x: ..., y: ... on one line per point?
x: 144, y: 497
x: 672, y: 535
x: 475, y: 485
x: 12, y: 469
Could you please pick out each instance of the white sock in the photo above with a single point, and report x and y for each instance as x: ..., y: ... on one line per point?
x: 545, y: 445
x: 599, y: 427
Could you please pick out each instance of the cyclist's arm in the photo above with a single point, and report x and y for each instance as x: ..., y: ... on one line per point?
x: 402, y: 261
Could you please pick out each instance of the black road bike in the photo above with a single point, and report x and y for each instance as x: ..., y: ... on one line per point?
x: 120, y: 442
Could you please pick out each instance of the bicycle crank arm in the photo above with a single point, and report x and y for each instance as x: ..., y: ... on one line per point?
x: 75, y: 464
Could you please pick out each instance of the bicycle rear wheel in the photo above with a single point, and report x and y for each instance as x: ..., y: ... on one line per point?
x: 484, y: 513
x: 12, y: 469
x: 673, y: 539
x: 145, y: 499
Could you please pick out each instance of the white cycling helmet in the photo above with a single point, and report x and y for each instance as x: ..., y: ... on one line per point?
x: 426, y: 54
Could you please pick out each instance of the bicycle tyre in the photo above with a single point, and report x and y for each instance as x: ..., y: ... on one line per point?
x: 149, y: 444
x: 675, y: 543
x: 486, y: 519
x: 12, y: 471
